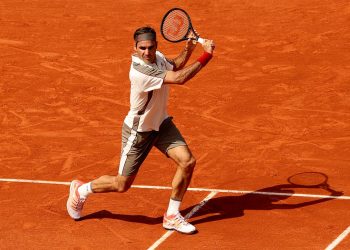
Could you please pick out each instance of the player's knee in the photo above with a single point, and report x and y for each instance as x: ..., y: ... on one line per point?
x: 188, y: 164
x: 123, y: 189
x: 192, y: 162
x: 122, y: 185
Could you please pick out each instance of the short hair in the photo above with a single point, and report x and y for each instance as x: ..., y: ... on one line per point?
x: 145, y: 30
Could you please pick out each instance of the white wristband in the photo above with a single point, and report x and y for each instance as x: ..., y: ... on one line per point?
x: 200, y: 40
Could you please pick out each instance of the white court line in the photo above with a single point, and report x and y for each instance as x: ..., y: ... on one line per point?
x: 344, y: 197
x: 189, y: 215
x: 250, y: 192
x: 35, y: 181
x: 339, y: 239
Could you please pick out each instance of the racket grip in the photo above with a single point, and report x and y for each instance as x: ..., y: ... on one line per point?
x: 200, y: 40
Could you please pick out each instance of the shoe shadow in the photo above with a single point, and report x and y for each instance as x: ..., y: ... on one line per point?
x: 105, y: 214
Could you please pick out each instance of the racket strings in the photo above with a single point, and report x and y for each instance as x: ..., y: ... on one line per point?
x: 175, y: 25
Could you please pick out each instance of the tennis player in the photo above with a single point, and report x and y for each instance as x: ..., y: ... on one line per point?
x: 148, y: 124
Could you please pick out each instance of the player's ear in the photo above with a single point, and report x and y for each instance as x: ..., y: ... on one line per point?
x: 135, y: 46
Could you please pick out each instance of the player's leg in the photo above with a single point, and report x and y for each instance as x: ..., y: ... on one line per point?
x: 171, y: 143
x: 109, y: 183
x: 135, y: 148
x: 185, y: 162
x: 182, y: 178
x: 80, y: 191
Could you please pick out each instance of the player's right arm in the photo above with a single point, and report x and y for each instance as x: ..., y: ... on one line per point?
x: 185, y: 74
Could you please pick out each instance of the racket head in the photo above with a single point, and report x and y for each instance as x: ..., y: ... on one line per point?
x: 176, y: 26
x: 309, y: 179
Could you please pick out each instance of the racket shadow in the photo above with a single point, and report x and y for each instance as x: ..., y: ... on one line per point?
x: 226, y: 207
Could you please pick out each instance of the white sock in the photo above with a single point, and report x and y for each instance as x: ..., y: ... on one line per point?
x: 174, y: 207
x: 84, y: 190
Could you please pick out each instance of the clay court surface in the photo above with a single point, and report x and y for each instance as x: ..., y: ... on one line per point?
x: 274, y: 101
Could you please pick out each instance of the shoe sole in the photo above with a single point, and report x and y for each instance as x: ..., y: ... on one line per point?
x: 71, y: 192
x: 174, y: 229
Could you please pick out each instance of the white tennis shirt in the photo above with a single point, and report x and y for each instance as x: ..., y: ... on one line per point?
x: 148, y: 94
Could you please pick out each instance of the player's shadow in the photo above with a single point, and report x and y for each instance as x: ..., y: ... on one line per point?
x: 264, y: 199
x: 219, y: 208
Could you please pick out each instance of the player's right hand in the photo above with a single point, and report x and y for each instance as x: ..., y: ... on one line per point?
x: 209, y: 46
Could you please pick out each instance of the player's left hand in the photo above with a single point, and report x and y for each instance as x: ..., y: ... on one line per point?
x: 191, y: 44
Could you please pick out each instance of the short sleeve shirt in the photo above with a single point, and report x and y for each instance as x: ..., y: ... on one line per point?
x: 148, y: 94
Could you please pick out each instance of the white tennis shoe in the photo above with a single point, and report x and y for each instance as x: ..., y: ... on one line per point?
x: 75, y: 203
x: 178, y: 223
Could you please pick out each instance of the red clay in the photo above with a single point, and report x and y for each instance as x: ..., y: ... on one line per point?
x: 274, y: 101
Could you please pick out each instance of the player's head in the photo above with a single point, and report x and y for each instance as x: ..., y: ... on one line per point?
x: 146, y: 44
x: 145, y: 33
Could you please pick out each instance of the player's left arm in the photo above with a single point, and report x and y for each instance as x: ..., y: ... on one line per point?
x: 180, y: 61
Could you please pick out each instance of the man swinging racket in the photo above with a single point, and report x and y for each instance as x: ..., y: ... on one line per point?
x: 148, y: 124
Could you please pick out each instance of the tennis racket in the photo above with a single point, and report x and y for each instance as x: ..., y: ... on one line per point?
x: 176, y: 26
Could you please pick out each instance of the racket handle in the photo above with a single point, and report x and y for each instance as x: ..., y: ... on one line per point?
x: 200, y: 40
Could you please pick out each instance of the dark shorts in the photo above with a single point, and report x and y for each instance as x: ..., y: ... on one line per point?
x: 137, y: 145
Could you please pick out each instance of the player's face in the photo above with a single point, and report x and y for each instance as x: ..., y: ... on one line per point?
x: 146, y: 50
